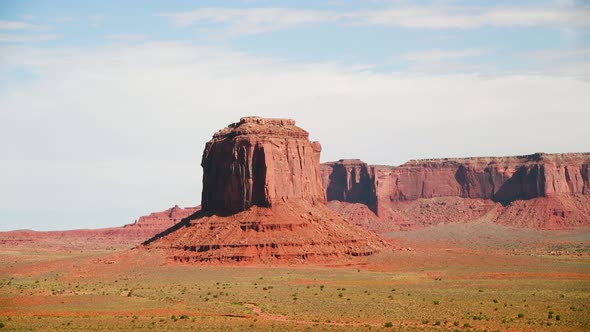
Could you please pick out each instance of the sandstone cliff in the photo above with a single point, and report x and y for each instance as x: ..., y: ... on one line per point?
x: 504, y: 180
x: 259, y: 162
x: 263, y: 201
x: 350, y: 181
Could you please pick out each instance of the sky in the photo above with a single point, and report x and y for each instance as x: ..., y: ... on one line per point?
x: 106, y: 106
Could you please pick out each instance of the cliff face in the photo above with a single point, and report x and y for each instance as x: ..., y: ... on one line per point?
x: 263, y: 202
x: 259, y: 162
x: 503, y: 180
x: 350, y: 181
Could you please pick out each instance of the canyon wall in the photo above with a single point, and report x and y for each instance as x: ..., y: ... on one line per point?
x: 502, y: 180
x: 350, y: 180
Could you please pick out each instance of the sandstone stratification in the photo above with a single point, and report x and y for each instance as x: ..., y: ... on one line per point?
x: 163, y: 220
x: 350, y: 180
x: 263, y: 202
x: 501, y: 179
x: 126, y: 236
x: 259, y: 162
x: 553, y: 212
x: 389, y: 191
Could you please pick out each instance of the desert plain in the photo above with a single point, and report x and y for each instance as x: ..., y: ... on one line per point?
x: 475, y: 276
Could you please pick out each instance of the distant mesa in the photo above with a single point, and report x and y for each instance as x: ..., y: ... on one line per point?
x: 126, y: 236
x: 263, y: 202
x: 540, y: 190
x: 163, y: 220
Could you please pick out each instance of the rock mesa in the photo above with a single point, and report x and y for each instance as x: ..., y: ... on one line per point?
x: 263, y: 202
x: 126, y: 236
x: 422, y: 192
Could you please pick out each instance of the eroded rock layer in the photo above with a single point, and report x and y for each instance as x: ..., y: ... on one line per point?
x: 553, y: 212
x: 259, y: 162
x: 263, y: 202
x: 386, y: 190
x: 294, y: 232
x: 126, y: 236
x: 163, y: 220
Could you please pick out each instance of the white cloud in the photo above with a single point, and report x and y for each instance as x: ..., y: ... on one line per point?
x: 127, y: 37
x: 563, y: 62
x: 15, y: 25
x: 14, y: 38
x: 443, y: 16
x: 437, y: 55
x: 244, y: 21
x: 565, y: 2
x: 122, y: 127
x: 442, y: 61
x: 23, y: 32
x: 559, y: 54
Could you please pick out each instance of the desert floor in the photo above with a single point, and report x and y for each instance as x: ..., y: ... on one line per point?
x: 456, y: 277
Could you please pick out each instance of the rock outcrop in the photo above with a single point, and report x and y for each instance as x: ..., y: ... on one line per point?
x: 263, y: 202
x: 259, y: 162
x: 160, y: 221
x: 552, y: 212
x: 126, y: 236
x: 350, y: 180
x: 503, y: 180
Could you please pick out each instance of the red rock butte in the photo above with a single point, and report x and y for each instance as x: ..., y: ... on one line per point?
x: 260, y: 162
x: 538, y: 190
x: 263, y: 202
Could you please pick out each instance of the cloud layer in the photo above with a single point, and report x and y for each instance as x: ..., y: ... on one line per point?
x: 248, y: 21
x: 121, y: 128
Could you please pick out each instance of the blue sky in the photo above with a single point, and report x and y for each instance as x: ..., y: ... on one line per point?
x: 374, y: 33
x: 105, y: 106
